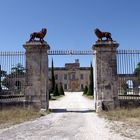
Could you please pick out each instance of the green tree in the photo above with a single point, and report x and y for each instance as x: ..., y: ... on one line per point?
x: 137, y: 73
x: 52, y: 77
x: 90, y: 88
x: 61, y: 90
x: 52, y: 81
x: 56, y: 92
x: 125, y: 88
x: 85, y: 90
x: 16, y: 72
x: 18, y: 69
x: 2, y: 74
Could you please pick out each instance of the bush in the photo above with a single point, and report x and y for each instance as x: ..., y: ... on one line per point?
x: 56, y: 92
x: 85, y: 90
x: 61, y: 90
x: 90, y: 90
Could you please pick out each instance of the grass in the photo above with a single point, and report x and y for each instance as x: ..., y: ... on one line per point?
x: 123, y: 114
x: 14, y: 115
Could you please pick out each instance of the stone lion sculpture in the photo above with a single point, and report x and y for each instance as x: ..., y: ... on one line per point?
x: 101, y: 34
x: 39, y: 35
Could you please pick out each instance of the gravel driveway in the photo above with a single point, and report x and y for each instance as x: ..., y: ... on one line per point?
x: 73, y: 118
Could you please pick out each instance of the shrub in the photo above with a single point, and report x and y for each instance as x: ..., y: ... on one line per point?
x: 56, y: 92
x: 85, y: 90
x: 90, y: 90
x: 61, y: 90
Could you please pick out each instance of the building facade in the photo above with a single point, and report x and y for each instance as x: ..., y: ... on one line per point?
x: 72, y: 76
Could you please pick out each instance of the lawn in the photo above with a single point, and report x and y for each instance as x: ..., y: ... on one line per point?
x: 14, y: 115
x: 123, y: 114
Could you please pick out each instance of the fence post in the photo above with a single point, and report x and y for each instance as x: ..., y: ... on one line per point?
x: 36, y: 91
x: 105, y: 75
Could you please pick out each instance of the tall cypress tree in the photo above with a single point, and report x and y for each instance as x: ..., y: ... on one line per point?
x: 61, y: 90
x: 56, y: 91
x: 52, y: 80
x: 90, y: 89
x: 85, y: 90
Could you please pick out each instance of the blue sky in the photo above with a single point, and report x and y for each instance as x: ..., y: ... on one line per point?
x: 70, y: 24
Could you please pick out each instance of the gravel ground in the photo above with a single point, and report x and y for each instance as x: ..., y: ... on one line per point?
x: 127, y: 129
x: 73, y: 118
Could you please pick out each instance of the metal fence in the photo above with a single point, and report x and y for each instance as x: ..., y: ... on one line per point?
x: 13, y: 72
x: 70, y: 52
x: 12, y: 76
x: 128, y: 70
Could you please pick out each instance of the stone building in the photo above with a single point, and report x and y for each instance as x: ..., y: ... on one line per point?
x: 72, y: 76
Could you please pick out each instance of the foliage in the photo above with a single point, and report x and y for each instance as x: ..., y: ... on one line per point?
x: 125, y: 88
x: 2, y: 74
x: 61, y: 90
x: 137, y: 73
x: 18, y: 69
x: 52, y: 81
x: 56, y: 92
x: 90, y: 88
x: 52, y: 78
x: 90, y: 91
x: 85, y: 90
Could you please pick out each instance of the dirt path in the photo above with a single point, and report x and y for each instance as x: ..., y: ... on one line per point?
x: 73, y: 118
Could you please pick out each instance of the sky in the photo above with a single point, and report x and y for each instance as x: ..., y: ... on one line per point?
x: 70, y: 24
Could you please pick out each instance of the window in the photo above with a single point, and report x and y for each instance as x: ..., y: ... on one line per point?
x: 65, y: 86
x: 65, y: 76
x: 81, y: 76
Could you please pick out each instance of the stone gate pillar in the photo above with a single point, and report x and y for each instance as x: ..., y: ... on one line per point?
x: 105, y: 75
x: 36, y: 91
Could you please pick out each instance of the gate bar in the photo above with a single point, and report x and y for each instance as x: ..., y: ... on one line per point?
x: 70, y: 52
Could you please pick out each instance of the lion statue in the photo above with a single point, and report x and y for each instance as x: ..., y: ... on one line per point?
x: 101, y: 34
x: 39, y: 35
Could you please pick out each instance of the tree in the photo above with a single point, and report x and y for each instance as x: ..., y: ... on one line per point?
x: 90, y: 88
x: 18, y: 69
x: 16, y: 72
x: 2, y: 74
x: 56, y: 92
x: 85, y: 90
x: 125, y: 88
x: 137, y: 73
x: 61, y: 90
x: 52, y: 81
x: 52, y: 77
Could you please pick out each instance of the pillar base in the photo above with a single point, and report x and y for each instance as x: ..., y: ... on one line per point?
x: 106, y: 105
x: 98, y: 106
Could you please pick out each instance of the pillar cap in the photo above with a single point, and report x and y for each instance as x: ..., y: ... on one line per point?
x: 36, y: 44
x: 105, y: 44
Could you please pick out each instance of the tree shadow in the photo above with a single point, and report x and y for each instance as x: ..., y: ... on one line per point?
x: 71, y: 110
